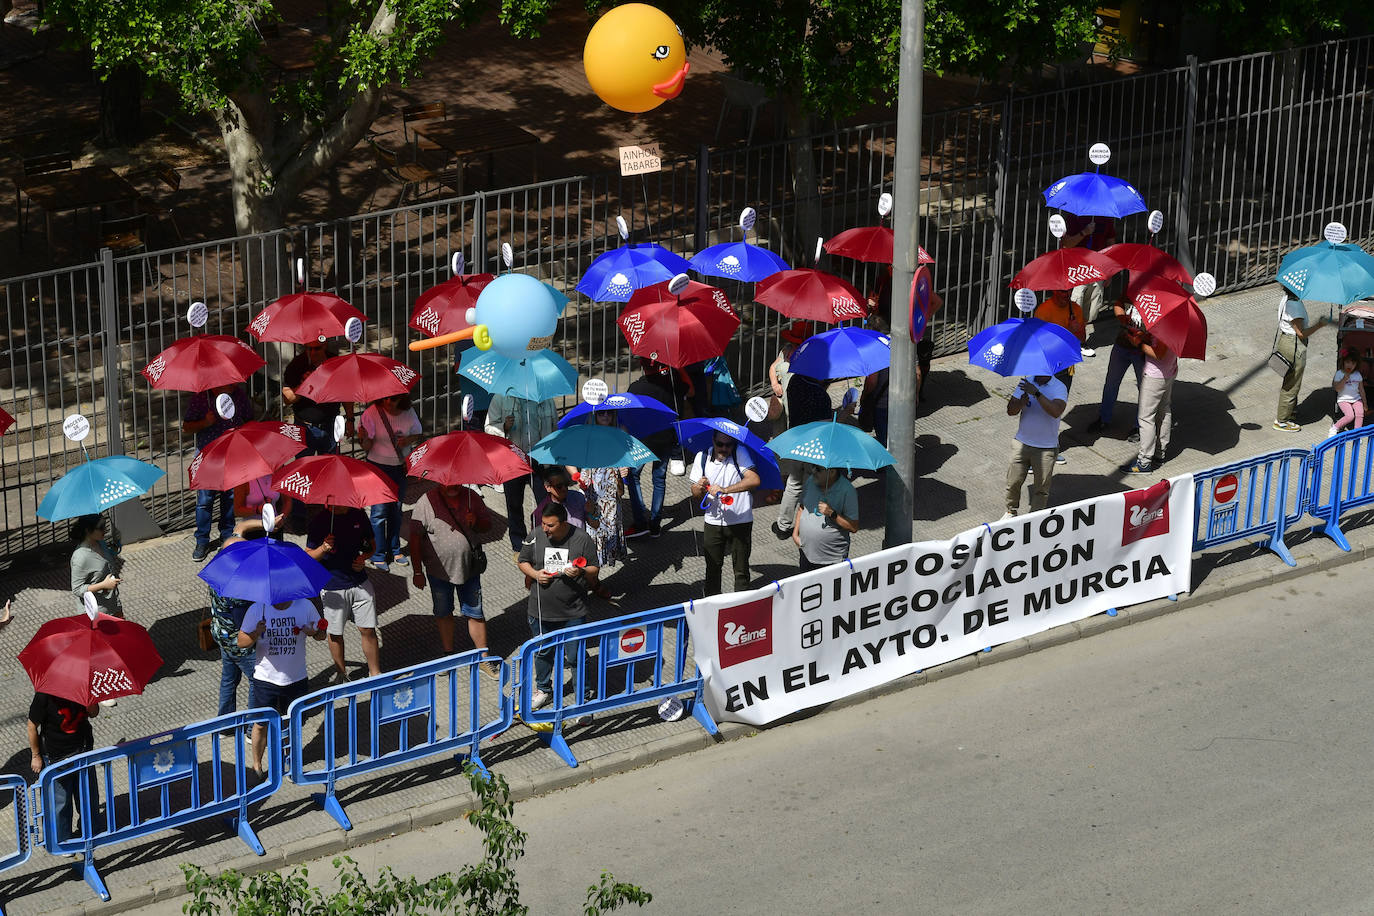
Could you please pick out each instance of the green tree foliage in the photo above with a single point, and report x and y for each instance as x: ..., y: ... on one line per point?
x: 487, y: 888
x: 281, y: 130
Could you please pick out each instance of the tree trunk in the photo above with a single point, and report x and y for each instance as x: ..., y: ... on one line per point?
x: 805, y: 185
x: 121, y: 108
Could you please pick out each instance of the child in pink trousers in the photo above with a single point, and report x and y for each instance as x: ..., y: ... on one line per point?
x: 1349, y: 386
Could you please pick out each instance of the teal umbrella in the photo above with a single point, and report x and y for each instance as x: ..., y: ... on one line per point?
x: 95, y: 486
x: 590, y: 446
x: 1329, y: 273
x: 537, y: 377
x: 831, y: 445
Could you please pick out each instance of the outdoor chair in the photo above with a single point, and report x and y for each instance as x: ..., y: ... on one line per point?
x: 38, y: 165
x: 166, y: 203
x: 425, y: 111
x: 413, y: 177
x: 740, y: 93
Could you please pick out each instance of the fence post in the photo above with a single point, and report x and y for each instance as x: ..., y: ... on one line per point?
x: 130, y: 518
x: 703, y: 202
x: 479, y: 234
x: 1001, y: 167
x: 1185, y: 185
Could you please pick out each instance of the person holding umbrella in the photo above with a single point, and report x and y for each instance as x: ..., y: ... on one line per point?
x: 827, y: 516
x: 387, y: 431
x: 1039, y: 402
x: 204, y: 422
x: 1093, y: 233
x: 340, y: 538
x: 58, y: 729
x: 226, y: 619
x: 1291, y: 343
x: 444, y: 529
x: 524, y: 423
x: 278, y: 632
x: 1156, y: 404
x: 728, y: 480
x: 318, y: 419
x: 95, y: 567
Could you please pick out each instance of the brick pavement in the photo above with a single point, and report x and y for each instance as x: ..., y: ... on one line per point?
x: 1223, y: 411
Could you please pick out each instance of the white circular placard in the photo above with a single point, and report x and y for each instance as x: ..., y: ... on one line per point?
x: 197, y: 314
x: 1099, y: 153
x: 622, y: 227
x: 507, y: 254
x: 469, y: 405
x: 1025, y: 300
x: 1335, y: 233
x: 76, y: 427
x: 1155, y: 221
x: 1057, y: 226
x: 884, y: 204
x: 671, y: 709
x: 300, y: 271
x: 1204, y: 284
x: 747, y: 217
x: 756, y: 409
x: 678, y: 284
x: 224, y: 406
x: 470, y: 315
x: 457, y: 263
x: 92, y: 609
x: 340, y: 428
x: 353, y: 329
x: 594, y: 391
x: 269, y: 517
x: 820, y: 246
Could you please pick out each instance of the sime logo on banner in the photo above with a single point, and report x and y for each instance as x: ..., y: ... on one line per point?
x: 833, y: 632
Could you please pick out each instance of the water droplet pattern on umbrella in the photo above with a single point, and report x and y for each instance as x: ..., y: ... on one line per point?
x: 1295, y: 280
x: 115, y: 490
x: 729, y: 265
x: 619, y: 286
x: 993, y: 355
x: 483, y: 372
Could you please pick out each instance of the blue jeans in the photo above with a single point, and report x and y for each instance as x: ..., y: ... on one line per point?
x: 66, y: 799
x: 204, y: 501
x: 1121, y: 359
x: 543, y: 658
x: 515, y: 506
x: 469, y: 596
x: 660, y: 484
x: 386, y: 517
x: 318, y: 441
x: 230, y: 672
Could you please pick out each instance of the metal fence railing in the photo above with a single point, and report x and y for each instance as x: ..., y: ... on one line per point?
x: 1247, y: 158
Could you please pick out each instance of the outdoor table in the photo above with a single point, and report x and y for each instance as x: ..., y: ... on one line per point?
x: 466, y: 138
x: 75, y: 189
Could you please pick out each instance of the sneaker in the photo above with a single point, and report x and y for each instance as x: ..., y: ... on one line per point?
x: 1060, y: 459
x: 583, y: 720
x: 1141, y: 466
x: 491, y: 670
x: 1096, y: 426
x: 655, y: 529
x: 109, y: 704
x: 401, y: 560
x: 539, y: 699
x: 1286, y: 426
x: 200, y: 552
x: 1332, y: 431
x: 676, y: 467
x: 1006, y: 515
x: 634, y: 531
x: 1134, y: 437
x: 779, y: 532
x: 381, y: 565
x: 1088, y: 352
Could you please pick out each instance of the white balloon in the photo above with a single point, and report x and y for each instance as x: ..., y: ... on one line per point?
x: 224, y: 406
x: 756, y: 409
x: 76, y: 427
x: 594, y: 391
x: 198, y: 314
x: 884, y: 204
x: 1025, y: 300
x: 1335, y: 233
x: 678, y: 283
x: 1057, y: 226
x: 1204, y: 284
x: 457, y: 262
x: 353, y: 329
x: 747, y: 217
x: 622, y: 227
x: 1155, y: 221
x: 1099, y: 153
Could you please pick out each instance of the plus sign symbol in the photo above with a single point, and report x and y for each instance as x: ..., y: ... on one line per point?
x: 811, y: 634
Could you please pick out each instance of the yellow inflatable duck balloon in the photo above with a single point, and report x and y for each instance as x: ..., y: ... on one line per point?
x: 634, y: 58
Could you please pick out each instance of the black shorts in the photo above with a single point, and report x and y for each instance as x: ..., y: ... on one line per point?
x: 275, y: 696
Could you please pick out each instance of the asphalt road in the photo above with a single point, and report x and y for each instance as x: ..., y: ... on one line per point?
x: 1207, y: 761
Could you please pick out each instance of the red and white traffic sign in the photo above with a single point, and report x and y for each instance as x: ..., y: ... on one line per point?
x: 1225, y: 487
x: 631, y: 640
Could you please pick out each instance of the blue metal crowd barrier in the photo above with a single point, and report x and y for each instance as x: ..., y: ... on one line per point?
x: 1340, y: 477
x: 188, y: 760
x: 18, y: 790
x: 406, y: 698
x: 1257, y: 496
x: 621, y: 644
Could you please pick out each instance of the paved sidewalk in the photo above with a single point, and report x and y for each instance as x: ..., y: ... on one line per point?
x: 1223, y: 411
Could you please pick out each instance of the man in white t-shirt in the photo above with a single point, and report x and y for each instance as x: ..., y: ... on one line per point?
x: 278, y: 631
x: 724, y: 478
x: 1040, y: 402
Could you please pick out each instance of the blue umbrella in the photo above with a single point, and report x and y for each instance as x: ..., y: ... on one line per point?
x: 843, y: 353
x: 95, y: 486
x: 639, y: 415
x: 265, y: 570
x: 696, y: 436
x: 537, y: 377
x: 1025, y: 346
x: 832, y: 445
x: 737, y: 261
x: 591, y: 447
x: 1329, y: 273
x: 1095, y: 194
x: 615, y: 275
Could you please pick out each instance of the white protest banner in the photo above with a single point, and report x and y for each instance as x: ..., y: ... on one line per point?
x: 832, y: 632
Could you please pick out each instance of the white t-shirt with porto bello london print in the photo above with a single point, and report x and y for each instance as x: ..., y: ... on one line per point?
x: 281, y: 648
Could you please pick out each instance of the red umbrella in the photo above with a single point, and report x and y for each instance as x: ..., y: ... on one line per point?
x: 678, y: 329
x: 467, y: 457
x: 444, y: 308
x: 203, y: 362
x: 1173, y: 316
x: 86, y: 659
x: 360, y: 377
x: 1064, y: 268
x: 303, y: 318
x: 6, y: 421
x: 245, y: 453
x: 1147, y: 259
x: 811, y: 294
x: 870, y: 243
x: 334, y: 480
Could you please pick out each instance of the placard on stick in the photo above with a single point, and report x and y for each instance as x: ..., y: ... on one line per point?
x: 641, y: 159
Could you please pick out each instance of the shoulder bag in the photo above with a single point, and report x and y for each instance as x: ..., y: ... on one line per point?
x: 477, y: 557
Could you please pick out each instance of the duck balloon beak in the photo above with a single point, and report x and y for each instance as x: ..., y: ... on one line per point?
x: 671, y: 88
x: 475, y: 334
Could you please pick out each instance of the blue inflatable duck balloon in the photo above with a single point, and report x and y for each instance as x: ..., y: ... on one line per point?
x: 515, y: 315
